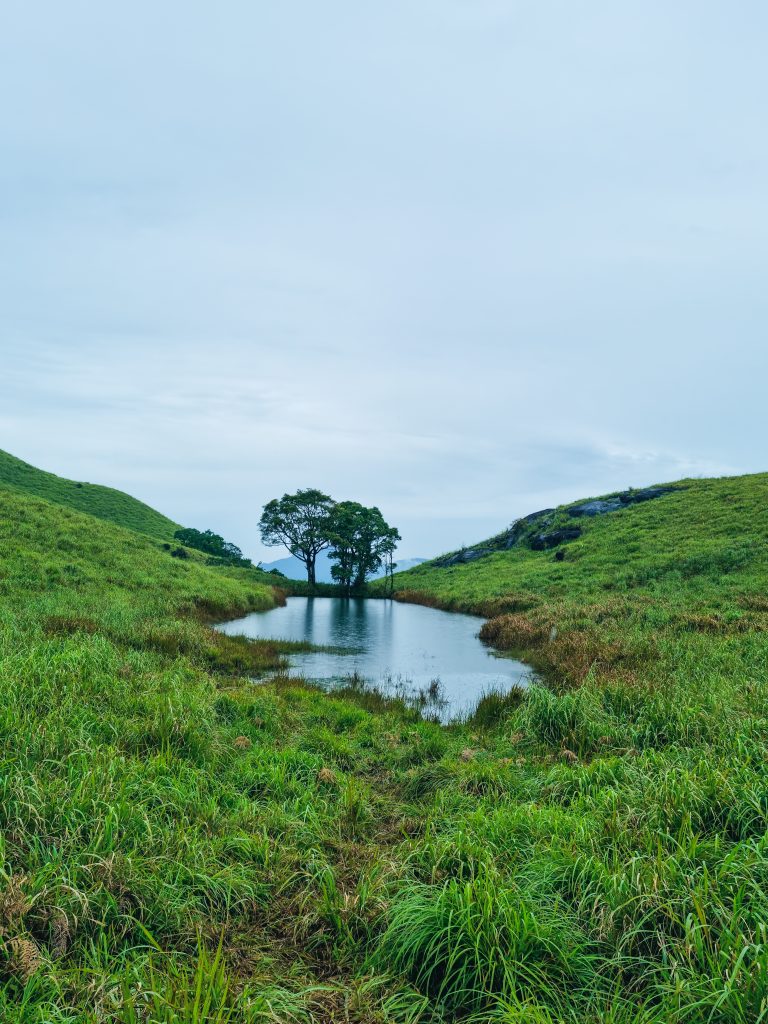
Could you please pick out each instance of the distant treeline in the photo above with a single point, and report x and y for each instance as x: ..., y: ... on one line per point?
x: 222, y: 552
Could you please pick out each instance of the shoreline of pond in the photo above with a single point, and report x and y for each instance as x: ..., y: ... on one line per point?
x: 396, y: 647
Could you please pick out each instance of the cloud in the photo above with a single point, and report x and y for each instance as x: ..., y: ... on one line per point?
x: 460, y: 260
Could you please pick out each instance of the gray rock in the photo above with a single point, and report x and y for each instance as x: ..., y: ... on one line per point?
x: 646, y: 494
x: 460, y: 557
x: 521, y: 526
x: 472, y: 554
x: 600, y: 506
x: 544, y: 541
x: 595, y: 508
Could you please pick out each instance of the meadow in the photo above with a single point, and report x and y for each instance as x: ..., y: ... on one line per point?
x: 103, y: 502
x: 180, y: 845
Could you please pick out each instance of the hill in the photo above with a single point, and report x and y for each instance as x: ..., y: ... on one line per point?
x: 138, y: 822
x: 646, y: 816
x: 68, y: 571
x: 101, y: 502
x: 168, y: 829
x: 691, y: 540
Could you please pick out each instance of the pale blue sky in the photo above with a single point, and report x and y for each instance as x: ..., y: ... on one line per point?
x: 458, y: 259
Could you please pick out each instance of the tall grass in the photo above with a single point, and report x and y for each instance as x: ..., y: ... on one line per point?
x: 469, y: 943
x: 179, y: 844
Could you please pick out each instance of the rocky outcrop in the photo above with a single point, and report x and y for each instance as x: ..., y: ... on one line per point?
x: 460, y: 557
x: 599, y: 507
x: 594, y: 508
x: 532, y: 529
x: 520, y: 529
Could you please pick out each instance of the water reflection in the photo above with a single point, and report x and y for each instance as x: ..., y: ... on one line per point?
x: 396, y: 646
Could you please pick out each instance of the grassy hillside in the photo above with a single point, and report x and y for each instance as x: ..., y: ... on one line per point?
x: 137, y: 828
x: 176, y: 845
x: 640, y: 813
x: 179, y: 846
x: 704, y: 532
x: 102, y: 502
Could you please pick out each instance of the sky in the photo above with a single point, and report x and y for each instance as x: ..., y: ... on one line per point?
x: 461, y: 259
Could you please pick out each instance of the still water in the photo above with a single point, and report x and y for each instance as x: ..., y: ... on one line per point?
x: 401, y: 648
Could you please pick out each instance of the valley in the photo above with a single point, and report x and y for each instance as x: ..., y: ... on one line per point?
x: 191, y: 832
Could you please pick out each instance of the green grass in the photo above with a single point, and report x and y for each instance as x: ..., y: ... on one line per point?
x: 707, y: 532
x: 652, y: 780
x: 102, y: 502
x: 178, y: 844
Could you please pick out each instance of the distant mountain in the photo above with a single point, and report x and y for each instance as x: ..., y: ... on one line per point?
x: 295, y: 570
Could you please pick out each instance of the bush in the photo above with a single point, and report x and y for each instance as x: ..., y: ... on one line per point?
x: 211, y: 543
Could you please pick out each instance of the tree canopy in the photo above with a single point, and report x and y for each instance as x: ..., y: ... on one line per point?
x: 307, y: 522
x: 361, y: 539
x: 299, y: 522
x: 212, y: 544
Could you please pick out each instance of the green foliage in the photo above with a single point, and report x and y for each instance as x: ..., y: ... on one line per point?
x: 633, y: 804
x: 102, y: 502
x: 360, y: 541
x: 300, y: 523
x: 495, y: 706
x: 309, y: 521
x: 574, y: 721
x: 222, y: 551
x: 471, y: 943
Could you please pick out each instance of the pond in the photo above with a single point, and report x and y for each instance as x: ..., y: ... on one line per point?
x: 404, y: 649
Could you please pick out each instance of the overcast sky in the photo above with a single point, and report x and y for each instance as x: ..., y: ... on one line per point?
x: 461, y: 259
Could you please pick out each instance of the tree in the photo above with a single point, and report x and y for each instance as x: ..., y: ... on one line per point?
x: 344, y: 526
x: 376, y: 539
x: 361, y: 540
x: 389, y: 546
x: 213, y: 544
x: 299, y: 522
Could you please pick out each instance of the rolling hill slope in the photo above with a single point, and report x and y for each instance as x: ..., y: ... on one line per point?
x: 101, y: 502
x: 648, y: 615
x: 155, y: 802
x: 175, y: 837
x: 695, y: 541
x: 55, y: 559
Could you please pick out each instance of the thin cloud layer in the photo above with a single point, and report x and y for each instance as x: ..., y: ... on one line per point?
x: 461, y: 261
